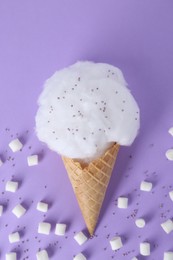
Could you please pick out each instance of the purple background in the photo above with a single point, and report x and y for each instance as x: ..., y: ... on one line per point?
x: 38, y: 37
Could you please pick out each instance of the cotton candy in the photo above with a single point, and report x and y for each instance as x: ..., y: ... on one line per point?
x: 84, y: 109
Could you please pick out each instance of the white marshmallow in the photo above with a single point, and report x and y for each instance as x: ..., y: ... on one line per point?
x: 42, y: 255
x: 145, y: 249
x: 60, y: 229
x: 32, y: 160
x: 15, y: 145
x: 19, y: 211
x: 79, y: 256
x: 146, y: 186
x: 11, y: 186
x: 122, y: 202
x: 169, y: 154
x: 140, y: 222
x: 171, y: 195
x: 14, y: 237
x: 44, y: 228
x: 170, y: 131
x: 42, y: 206
x: 167, y: 226
x: 116, y: 243
x: 11, y: 256
x: 80, y: 238
x: 1, y: 210
x: 1, y: 162
x: 168, y: 255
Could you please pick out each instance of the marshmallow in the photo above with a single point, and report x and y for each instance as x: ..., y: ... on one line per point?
x: 122, y: 202
x: 116, y: 243
x: 15, y: 145
x: 146, y: 186
x: 60, y: 229
x: 171, y: 195
x: 167, y: 226
x: 11, y: 186
x: 80, y: 238
x: 1, y: 162
x: 14, y: 237
x: 140, y: 222
x: 1, y: 210
x: 168, y: 255
x: 44, y: 228
x: 32, y: 160
x: 43, y: 207
x: 169, y: 154
x: 170, y: 131
x: 11, y: 256
x: 145, y: 249
x: 42, y: 255
x: 79, y: 256
x: 19, y: 211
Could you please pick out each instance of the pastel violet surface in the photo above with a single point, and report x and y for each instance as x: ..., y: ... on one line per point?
x: 39, y: 37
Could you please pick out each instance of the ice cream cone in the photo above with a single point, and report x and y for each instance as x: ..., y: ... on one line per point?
x: 90, y: 183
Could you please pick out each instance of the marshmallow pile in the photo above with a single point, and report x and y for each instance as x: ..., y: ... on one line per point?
x: 84, y: 109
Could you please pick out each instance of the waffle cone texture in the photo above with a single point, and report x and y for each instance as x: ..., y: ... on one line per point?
x: 90, y: 183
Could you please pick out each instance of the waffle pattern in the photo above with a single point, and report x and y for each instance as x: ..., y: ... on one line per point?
x: 90, y: 184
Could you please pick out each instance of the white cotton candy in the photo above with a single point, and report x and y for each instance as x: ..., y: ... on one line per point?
x: 171, y: 195
x: 44, y: 228
x: 168, y: 255
x: 146, y: 186
x: 14, y: 237
x: 42, y: 255
x: 11, y: 186
x: 169, y: 154
x: 32, y: 160
x: 170, y: 131
x: 11, y: 256
x: 84, y: 109
x: 1, y: 210
x: 80, y: 238
x: 140, y: 222
x: 116, y: 243
x: 60, y: 229
x: 42, y: 206
x: 167, y: 226
x: 145, y: 249
x: 122, y: 202
x: 15, y: 145
x: 19, y: 211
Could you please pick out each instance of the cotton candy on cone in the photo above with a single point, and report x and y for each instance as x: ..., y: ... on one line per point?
x: 90, y: 183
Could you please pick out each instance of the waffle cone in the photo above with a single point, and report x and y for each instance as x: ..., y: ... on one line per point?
x: 90, y: 183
